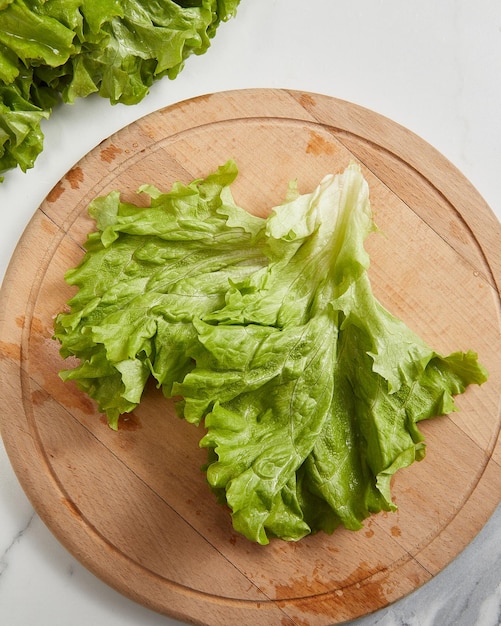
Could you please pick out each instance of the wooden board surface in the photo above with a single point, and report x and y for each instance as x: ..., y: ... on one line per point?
x: 133, y: 506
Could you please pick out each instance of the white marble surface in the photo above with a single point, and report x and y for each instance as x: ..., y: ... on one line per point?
x: 434, y: 67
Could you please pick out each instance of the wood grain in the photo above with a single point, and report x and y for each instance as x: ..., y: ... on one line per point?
x: 133, y: 505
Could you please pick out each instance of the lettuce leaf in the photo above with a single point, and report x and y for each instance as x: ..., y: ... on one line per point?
x: 55, y: 50
x: 146, y: 275
x: 310, y: 391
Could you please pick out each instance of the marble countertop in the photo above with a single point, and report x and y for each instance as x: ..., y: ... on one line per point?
x: 434, y: 67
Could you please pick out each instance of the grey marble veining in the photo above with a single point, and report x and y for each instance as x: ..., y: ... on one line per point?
x: 9, y: 551
x: 465, y: 593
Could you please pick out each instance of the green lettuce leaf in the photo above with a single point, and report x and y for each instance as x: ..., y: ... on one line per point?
x: 146, y: 275
x: 310, y: 391
x: 23, y: 105
x: 67, y: 49
x: 351, y: 380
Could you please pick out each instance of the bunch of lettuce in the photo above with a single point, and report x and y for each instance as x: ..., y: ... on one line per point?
x: 309, y: 390
x: 52, y: 50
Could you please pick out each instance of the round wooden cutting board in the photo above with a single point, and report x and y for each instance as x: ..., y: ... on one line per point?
x: 133, y: 505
